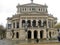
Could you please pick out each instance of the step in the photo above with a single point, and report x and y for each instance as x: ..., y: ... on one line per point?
x: 42, y: 43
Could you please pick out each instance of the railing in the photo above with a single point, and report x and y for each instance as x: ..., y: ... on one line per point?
x: 35, y: 27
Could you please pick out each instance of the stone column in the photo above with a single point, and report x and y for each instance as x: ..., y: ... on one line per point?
x: 52, y: 34
x: 38, y: 34
x: 42, y: 22
x: 44, y: 34
x: 20, y: 23
x: 47, y: 24
x: 32, y: 35
x: 36, y: 22
x: 26, y: 20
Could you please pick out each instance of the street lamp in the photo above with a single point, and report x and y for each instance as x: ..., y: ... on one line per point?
x: 25, y: 28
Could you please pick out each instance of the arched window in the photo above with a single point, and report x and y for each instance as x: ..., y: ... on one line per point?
x: 23, y: 22
x: 35, y: 34
x: 17, y: 24
x: 39, y: 23
x: 45, y: 23
x: 29, y: 23
x: 41, y: 34
x: 29, y: 34
x: 34, y: 23
x: 39, y: 9
x: 50, y: 34
x: 17, y: 35
x: 9, y: 26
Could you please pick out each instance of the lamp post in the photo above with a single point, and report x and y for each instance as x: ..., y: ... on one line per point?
x: 25, y: 28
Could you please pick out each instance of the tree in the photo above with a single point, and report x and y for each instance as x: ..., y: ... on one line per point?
x: 2, y: 32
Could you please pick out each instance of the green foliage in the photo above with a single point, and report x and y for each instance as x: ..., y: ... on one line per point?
x: 2, y: 31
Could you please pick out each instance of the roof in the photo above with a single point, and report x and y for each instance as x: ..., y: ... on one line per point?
x: 57, y: 25
x: 32, y: 4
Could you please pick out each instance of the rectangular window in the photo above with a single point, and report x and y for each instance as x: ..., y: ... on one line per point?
x: 33, y: 9
x: 39, y: 9
x: 17, y: 24
x: 9, y: 26
x: 25, y: 9
x: 13, y: 25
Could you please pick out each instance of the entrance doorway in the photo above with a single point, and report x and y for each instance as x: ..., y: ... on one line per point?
x: 29, y: 34
x: 50, y: 34
x: 41, y: 34
x: 17, y: 35
x: 35, y: 34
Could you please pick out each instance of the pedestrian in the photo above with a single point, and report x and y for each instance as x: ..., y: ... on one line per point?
x: 37, y: 40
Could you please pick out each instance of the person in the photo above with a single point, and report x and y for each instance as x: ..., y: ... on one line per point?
x: 37, y: 40
x: 58, y: 37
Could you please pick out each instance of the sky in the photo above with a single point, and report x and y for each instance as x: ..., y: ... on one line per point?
x: 8, y: 8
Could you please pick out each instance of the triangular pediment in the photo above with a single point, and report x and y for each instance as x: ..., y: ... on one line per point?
x: 32, y: 4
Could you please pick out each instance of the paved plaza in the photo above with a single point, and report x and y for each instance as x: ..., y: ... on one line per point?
x: 18, y: 42
x: 53, y: 43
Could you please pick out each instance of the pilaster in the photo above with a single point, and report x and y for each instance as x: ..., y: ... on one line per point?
x: 36, y: 22
x: 31, y: 22
x: 47, y: 24
x: 38, y: 34
x: 20, y: 23
x: 44, y: 34
x: 41, y: 22
x: 32, y: 36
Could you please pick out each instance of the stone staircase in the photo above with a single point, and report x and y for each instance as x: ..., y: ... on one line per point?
x: 42, y: 43
x: 33, y: 42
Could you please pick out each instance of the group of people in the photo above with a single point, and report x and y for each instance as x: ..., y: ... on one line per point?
x: 58, y: 36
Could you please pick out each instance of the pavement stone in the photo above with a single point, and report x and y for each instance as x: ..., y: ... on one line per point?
x: 18, y: 42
